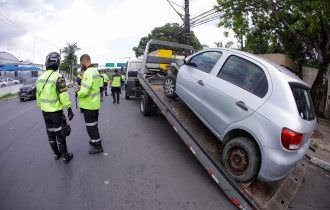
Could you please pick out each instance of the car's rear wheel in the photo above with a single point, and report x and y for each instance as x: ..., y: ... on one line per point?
x: 21, y: 99
x: 169, y: 86
x: 241, y: 158
x: 3, y: 85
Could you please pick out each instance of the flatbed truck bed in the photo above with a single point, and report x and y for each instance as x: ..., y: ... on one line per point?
x: 205, y: 147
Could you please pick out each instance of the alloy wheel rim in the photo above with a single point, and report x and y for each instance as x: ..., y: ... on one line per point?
x: 169, y: 86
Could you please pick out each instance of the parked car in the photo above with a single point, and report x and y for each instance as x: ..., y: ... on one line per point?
x: 2, y: 83
x: 262, y: 112
x: 9, y: 81
x: 28, y: 90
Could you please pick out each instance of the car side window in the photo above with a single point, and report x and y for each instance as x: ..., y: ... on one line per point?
x: 205, y: 61
x: 244, y: 74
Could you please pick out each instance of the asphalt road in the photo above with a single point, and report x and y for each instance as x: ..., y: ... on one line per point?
x: 145, y: 164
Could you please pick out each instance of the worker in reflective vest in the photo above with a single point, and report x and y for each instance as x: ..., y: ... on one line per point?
x: 116, y: 82
x: 89, y: 102
x: 52, y: 96
x: 105, y: 83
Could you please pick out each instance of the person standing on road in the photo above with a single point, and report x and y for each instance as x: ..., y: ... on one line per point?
x: 89, y: 102
x: 52, y: 96
x: 116, y: 82
x: 105, y: 83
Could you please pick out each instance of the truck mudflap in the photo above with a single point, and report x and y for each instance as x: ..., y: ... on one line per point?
x: 203, y: 145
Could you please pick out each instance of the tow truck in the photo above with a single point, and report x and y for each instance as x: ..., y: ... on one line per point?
x: 199, y: 140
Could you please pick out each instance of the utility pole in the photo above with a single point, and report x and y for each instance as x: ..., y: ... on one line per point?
x: 186, y: 21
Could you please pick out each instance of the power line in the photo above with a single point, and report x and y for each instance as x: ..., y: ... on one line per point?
x: 178, y: 13
x: 213, y: 18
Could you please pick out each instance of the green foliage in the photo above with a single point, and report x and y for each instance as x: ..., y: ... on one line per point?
x: 172, y: 32
x: 299, y: 28
x: 70, y: 58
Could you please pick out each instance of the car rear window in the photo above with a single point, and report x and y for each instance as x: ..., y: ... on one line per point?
x: 303, y: 101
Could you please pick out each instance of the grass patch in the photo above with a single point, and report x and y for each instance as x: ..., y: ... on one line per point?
x: 7, y: 96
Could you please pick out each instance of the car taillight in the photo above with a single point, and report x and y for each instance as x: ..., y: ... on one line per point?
x: 291, y: 140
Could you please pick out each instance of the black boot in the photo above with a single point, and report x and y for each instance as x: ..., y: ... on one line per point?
x: 67, y: 157
x: 95, y: 148
x: 63, y: 150
x: 54, y: 147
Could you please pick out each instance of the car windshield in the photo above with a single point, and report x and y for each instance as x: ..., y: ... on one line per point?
x: 303, y: 101
x: 30, y: 81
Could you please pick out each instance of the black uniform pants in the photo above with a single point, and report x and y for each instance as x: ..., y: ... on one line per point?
x: 91, y: 121
x: 55, y: 122
x: 115, y: 93
x: 105, y: 88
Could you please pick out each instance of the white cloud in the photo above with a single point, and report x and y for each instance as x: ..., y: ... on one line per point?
x: 107, y: 30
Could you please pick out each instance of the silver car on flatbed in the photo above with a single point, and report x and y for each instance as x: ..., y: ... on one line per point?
x: 262, y: 112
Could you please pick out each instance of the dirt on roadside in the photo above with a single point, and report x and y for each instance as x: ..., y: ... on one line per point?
x: 320, y: 141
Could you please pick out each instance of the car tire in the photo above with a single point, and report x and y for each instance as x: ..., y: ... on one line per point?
x: 126, y: 96
x: 169, y: 85
x: 145, y: 106
x: 3, y: 85
x: 241, y: 158
x: 21, y: 99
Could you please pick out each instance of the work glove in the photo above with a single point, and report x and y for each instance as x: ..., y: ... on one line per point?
x: 70, y: 114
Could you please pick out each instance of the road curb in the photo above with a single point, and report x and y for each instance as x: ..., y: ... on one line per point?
x: 318, y: 162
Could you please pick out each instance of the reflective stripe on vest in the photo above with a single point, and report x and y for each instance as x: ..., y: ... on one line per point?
x: 48, y: 101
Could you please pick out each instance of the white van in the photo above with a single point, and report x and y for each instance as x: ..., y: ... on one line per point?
x: 132, y: 87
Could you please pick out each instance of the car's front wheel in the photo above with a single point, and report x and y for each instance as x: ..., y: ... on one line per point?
x: 241, y: 158
x: 169, y: 86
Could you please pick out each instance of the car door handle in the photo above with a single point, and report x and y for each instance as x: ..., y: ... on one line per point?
x: 242, y: 105
x: 200, y: 82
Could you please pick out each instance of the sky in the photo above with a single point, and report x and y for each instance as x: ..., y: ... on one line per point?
x: 107, y: 30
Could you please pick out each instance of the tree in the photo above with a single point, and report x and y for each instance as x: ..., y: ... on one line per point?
x: 70, y: 57
x: 299, y: 28
x: 172, y: 32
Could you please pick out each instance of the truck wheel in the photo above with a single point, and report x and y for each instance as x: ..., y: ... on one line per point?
x: 241, y: 159
x: 145, y: 106
x: 169, y: 86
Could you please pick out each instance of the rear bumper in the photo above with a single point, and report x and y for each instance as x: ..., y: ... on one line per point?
x: 278, y: 163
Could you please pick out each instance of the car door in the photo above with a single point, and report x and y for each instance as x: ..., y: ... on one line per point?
x: 233, y: 92
x: 193, y: 75
x: 10, y: 81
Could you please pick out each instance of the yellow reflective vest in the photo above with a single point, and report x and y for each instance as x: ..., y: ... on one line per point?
x: 89, y: 93
x: 116, y: 81
x: 49, y: 99
x: 105, y: 77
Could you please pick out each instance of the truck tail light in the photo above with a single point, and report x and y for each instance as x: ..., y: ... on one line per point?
x: 291, y: 140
